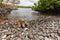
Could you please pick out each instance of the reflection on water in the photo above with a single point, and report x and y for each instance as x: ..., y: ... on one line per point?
x: 22, y: 13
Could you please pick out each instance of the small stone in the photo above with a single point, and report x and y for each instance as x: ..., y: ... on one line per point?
x: 30, y: 36
x: 5, y: 31
x: 3, y: 39
x: 2, y: 22
x: 19, y: 39
x: 52, y: 35
x: 8, y: 37
x: 58, y: 33
x: 25, y: 29
x: 7, y: 23
x: 41, y: 37
x: 4, y: 36
x: 47, y: 38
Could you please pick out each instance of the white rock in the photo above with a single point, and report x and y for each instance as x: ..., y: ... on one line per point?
x: 3, y: 39
x: 47, y: 38
x: 3, y: 36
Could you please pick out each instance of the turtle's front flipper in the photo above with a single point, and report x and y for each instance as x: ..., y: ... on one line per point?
x: 22, y: 23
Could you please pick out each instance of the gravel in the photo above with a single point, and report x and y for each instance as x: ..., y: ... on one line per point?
x: 43, y: 27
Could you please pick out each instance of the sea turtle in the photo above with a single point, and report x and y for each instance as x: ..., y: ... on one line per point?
x: 4, y: 13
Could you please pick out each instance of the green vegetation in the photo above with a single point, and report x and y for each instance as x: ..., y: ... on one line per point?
x: 45, y: 5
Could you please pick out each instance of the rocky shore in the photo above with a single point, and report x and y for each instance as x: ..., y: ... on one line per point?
x: 43, y: 27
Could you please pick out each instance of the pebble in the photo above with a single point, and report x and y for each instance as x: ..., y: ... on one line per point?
x: 47, y: 38
x: 30, y: 36
x: 3, y: 37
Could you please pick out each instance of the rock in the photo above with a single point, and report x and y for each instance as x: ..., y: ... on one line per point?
x: 58, y: 33
x: 4, y: 36
x: 47, y: 38
x: 30, y: 36
x: 3, y: 39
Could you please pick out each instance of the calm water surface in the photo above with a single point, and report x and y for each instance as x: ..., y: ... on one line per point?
x: 23, y: 13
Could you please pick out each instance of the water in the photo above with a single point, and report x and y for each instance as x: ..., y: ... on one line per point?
x: 22, y: 13
x: 22, y: 2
